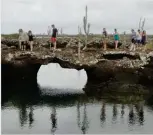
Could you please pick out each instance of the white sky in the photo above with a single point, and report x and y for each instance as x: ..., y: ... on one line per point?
x: 68, y: 14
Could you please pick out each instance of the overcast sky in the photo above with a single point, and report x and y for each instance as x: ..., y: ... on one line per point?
x: 68, y: 14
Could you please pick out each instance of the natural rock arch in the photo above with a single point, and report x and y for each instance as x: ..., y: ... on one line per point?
x: 25, y: 66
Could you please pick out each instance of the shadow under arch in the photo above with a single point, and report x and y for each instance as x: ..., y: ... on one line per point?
x: 27, y: 73
x: 98, y: 75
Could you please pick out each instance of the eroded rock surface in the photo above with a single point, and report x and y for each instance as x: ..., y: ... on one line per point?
x: 101, y: 66
x: 62, y: 42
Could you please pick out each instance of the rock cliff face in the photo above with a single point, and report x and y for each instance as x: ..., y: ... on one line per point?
x: 146, y: 72
x: 101, y: 67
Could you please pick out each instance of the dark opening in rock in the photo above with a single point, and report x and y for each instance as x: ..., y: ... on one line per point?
x: 120, y: 56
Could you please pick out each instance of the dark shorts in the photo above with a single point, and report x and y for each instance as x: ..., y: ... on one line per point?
x: 133, y: 41
x: 143, y: 42
x: 139, y: 41
x: 23, y: 43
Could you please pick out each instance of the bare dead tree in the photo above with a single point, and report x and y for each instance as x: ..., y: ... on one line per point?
x: 141, y: 24
x: 49, y: 31
x: 61, y: 31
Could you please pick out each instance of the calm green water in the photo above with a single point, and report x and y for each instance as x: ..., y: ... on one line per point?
x: 48, y: 110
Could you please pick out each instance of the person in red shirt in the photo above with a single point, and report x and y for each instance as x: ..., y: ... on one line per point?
x: 54, y: 36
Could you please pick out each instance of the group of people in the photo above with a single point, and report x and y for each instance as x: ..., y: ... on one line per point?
x: 105, y: 38
x: 138, y: 38
x: 28, y: 39
x: 25, y: 39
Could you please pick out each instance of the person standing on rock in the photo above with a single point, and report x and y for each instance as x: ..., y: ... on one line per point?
x: 144, y: 37
x: 116, y: 38
x: 139, y: 37
x: 23, y: 39
x: 105, y: 38
x: 30, y: 39
x: 54, y: 36
x: 133, y: 40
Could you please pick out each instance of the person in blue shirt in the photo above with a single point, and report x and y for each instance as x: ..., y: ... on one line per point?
x: 116, y: 38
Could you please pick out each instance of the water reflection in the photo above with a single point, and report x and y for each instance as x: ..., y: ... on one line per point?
x: 53, y: 120
x: 78, y: 114
x: 83, y: 112
x: 27, y: 113
x: 23, y: 115
x: 114, y: 118
x: 140, y: 112
x: 69, y: 113
x: 103, y: 113
x: 136, y: 116
x: 122, y: 110
x: 131, y: 115
x: 85, y: 122
x: 31, y: 117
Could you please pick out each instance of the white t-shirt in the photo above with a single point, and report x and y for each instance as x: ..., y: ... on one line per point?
x: 23, y: 36
x: 138, y: 36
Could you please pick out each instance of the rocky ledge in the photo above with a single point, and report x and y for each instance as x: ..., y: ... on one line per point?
x: 62, y: 42
x: 90, y: 57
x: 102, y: 67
